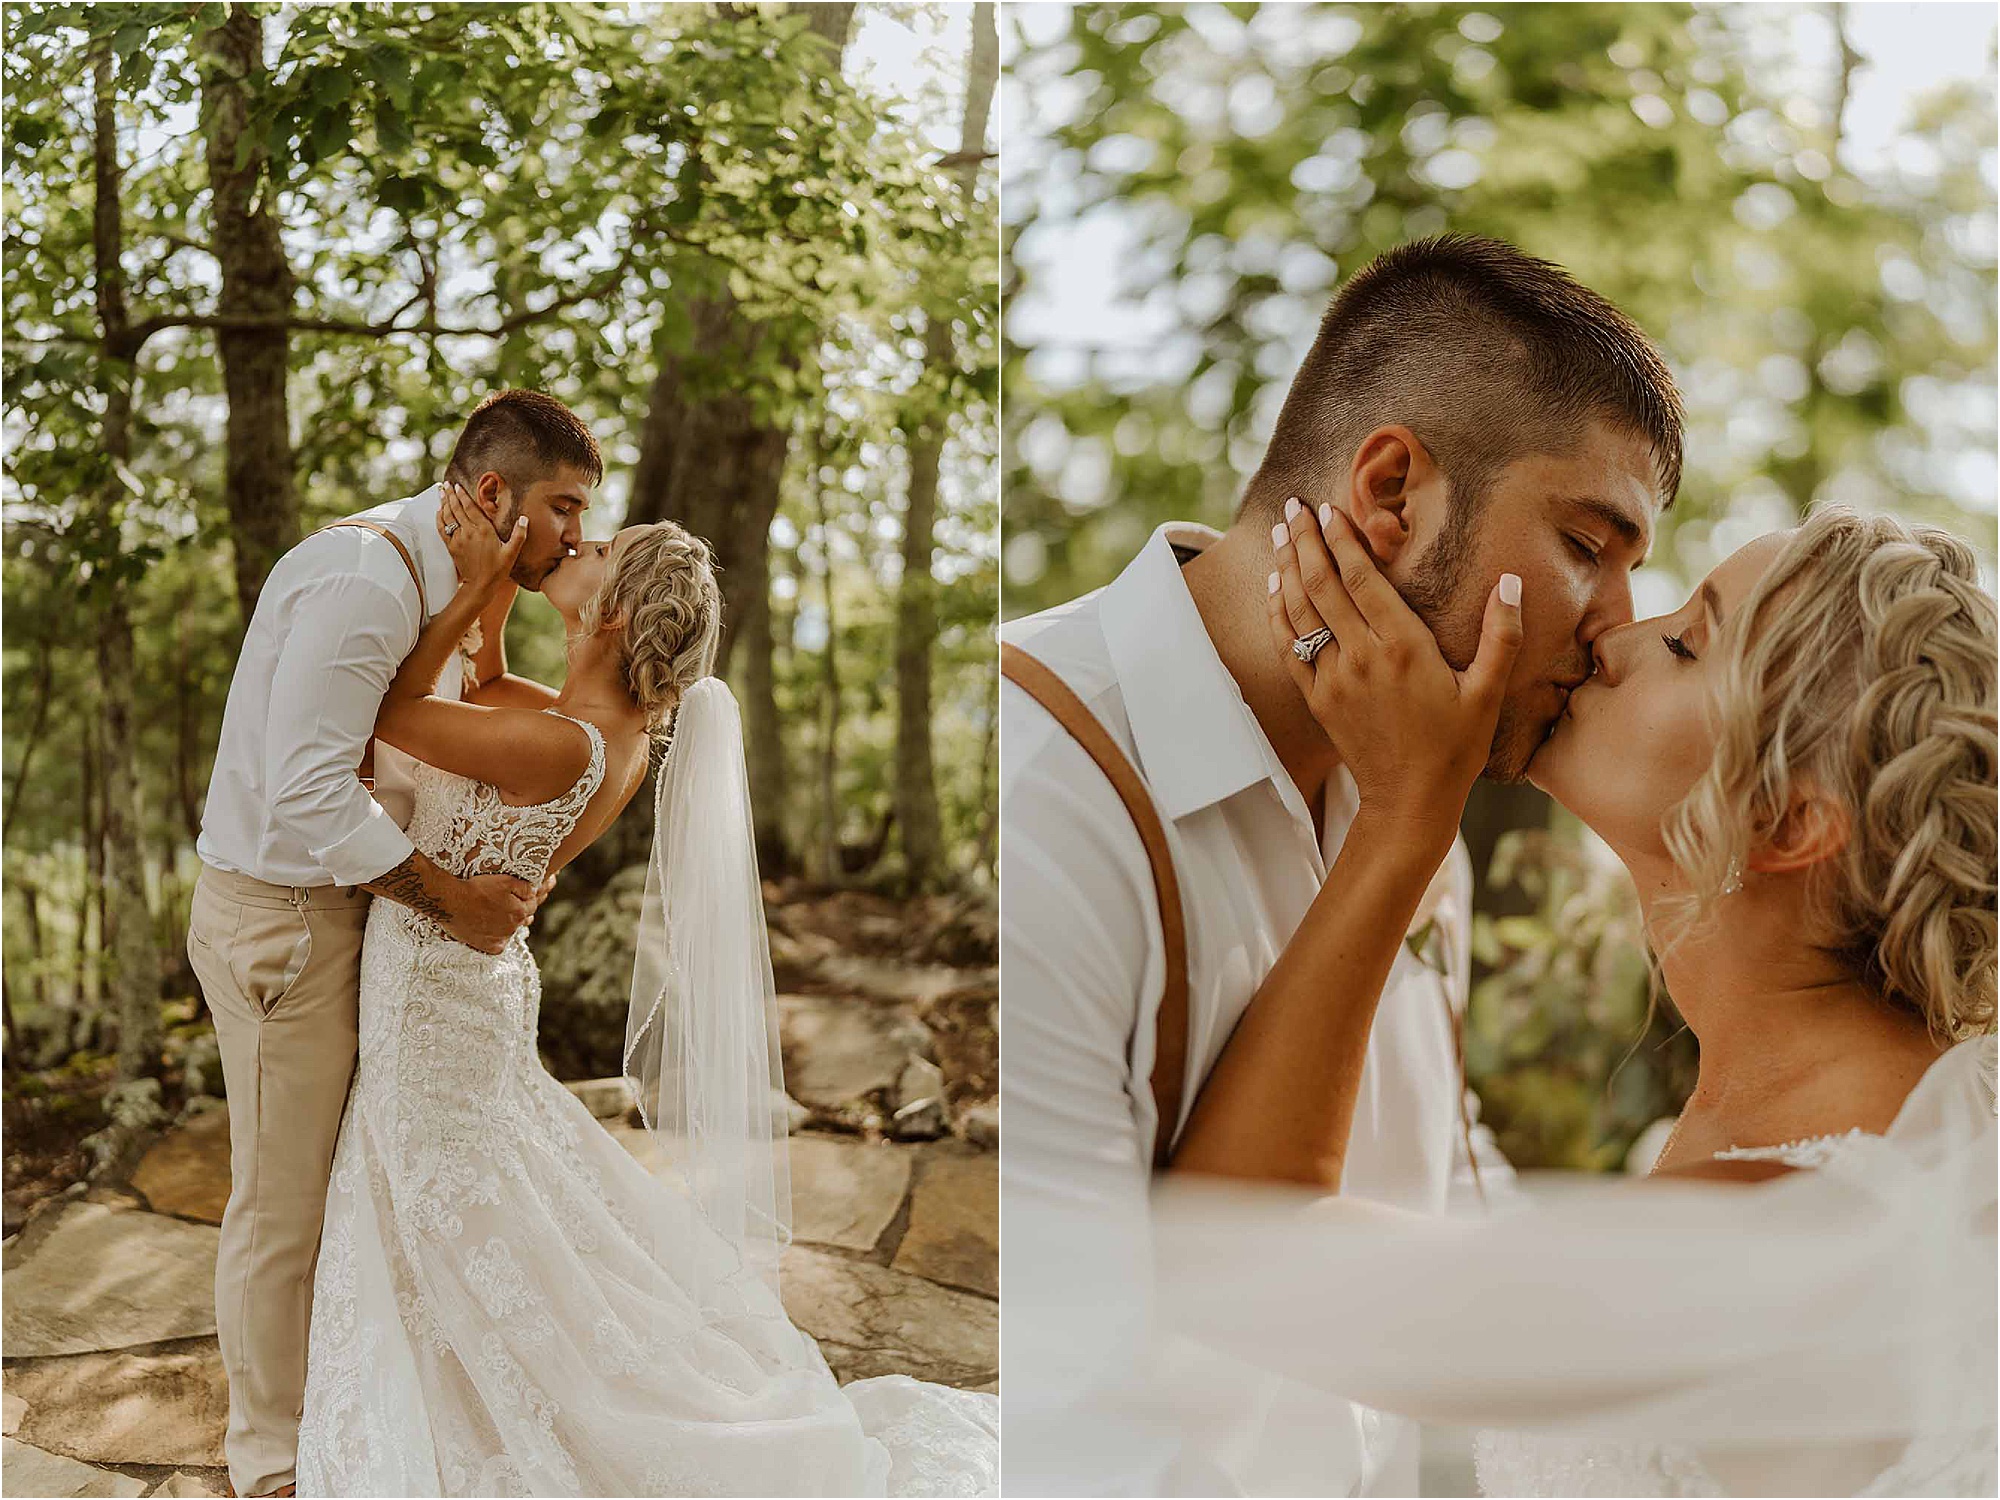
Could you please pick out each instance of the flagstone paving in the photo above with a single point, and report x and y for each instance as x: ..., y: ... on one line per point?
x: 113, y: 1384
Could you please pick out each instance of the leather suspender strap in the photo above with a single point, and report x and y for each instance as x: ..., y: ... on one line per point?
x: 416, y: 577
x: 1171, y: 1042
x: 366, y: 770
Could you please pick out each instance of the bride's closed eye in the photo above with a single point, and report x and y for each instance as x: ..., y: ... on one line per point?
x: 1679, y: 646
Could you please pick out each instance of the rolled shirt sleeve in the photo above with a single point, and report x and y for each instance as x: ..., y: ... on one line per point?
x: 347, y: 638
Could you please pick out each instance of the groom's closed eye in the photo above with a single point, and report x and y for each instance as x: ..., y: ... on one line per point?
x: 1589, y: 551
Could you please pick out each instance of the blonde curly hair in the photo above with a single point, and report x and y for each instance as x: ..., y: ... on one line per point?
x: 1863, y: 665
x: 663, y: 583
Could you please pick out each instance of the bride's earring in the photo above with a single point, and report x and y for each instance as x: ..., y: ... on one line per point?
x: 1732, y: 882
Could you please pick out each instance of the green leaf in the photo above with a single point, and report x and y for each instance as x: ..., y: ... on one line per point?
x: 331, y: 133
x: 389, y: 69
x: 685, y: 205
x: 404, y: 195
x: 331, y: 86
x: 1521, y: 932
x: 391, y: 130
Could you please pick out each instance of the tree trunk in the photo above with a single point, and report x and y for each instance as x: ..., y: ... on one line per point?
x: 764, y: 742
x: 706, y: 460
x: 185, y: 727
x: 31, y: 908
x: 256, y: 281
x: 916, y: 626
x: 709, y: 461
x: 916, y: 598
x: 44, y: 684
x: 128, y: 935
x: 38, y: 957
x: 989, y: 826
x: 88, y: 996
x: 829, y: 746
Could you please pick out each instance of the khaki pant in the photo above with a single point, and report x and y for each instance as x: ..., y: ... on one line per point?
x: 280, y: 967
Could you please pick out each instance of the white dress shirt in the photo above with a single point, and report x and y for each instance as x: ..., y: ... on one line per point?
x: 1082, y: 971
x: 333, y: 622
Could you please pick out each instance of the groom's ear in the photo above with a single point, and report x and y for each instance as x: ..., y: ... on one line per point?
x: 487, y: 491
x: 1388, y: 468
x: 1814, y: 828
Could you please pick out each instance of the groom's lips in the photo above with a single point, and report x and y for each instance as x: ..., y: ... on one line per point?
x: 1568, y: 696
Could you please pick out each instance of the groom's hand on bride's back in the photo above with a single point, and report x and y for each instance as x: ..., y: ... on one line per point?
x: 490, y: 909
x: 481, y: 911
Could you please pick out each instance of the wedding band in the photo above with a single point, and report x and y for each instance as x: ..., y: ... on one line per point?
x: 1306, y: 647
x: 450, y: 527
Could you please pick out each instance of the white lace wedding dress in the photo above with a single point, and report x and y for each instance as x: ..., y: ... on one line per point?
x: 488, y: 1318
x: 1831, y: 1332
x: 1962, y: 1459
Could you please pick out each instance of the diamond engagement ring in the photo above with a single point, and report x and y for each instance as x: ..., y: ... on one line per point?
x: 1306, y: 647
x: 450, y: 528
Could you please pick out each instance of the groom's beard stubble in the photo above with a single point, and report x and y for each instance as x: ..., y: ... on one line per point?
x: 1442, y: 592
x: 524, y: 574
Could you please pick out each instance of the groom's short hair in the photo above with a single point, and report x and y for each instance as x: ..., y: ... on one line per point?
x: 524, y: 436
x: 1483, y: 351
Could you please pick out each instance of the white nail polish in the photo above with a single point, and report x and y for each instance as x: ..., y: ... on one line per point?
x: 1273, y: 581
x: 1325, y: 517
x: 1510, y: 590
x: 1292, y: 507
x: 1280, y: 535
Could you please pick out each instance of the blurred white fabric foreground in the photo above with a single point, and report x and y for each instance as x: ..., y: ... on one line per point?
x: 1830, y: 1332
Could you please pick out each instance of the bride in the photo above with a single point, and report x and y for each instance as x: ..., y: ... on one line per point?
x: 506, y: 1301
x: 1798, y: 769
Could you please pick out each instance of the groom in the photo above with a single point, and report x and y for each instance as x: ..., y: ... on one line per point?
x: 293, y: 845
x: 1473, y: 411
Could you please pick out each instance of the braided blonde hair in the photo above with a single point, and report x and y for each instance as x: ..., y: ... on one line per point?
x: 1862, y: 665
x: 663, y: 583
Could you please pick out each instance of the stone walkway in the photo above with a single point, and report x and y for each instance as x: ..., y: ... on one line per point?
x: 113, y: 1383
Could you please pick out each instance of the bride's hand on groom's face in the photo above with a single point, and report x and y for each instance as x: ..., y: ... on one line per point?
x: 1413, y: 732
x: 482, y: 556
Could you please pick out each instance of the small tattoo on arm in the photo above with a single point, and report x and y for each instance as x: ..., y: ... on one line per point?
x: 405, y: 884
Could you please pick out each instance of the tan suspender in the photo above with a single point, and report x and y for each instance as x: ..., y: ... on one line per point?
x: 1170, y: 1050
x: 366, y: 770
x: 416, y: 577
x: 1171, y: 1043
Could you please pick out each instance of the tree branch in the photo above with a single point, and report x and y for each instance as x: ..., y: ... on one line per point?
x: 428, y: 325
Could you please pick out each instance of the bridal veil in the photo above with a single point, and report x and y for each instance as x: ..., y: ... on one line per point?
x: 701, y: 1041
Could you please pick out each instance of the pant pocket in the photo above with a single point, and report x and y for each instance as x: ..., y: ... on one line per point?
x: 272, y: 947
x: 212, y: 925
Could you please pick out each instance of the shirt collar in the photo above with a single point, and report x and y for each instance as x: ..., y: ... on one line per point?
x: 1196, y: 738
x: 440, y: 572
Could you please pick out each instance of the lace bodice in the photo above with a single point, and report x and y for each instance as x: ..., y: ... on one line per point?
x: 464, y: 826
x: 1810, y: 1153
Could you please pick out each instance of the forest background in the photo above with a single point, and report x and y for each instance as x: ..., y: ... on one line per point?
x: 1796, y: 201
x: 260, y: 262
